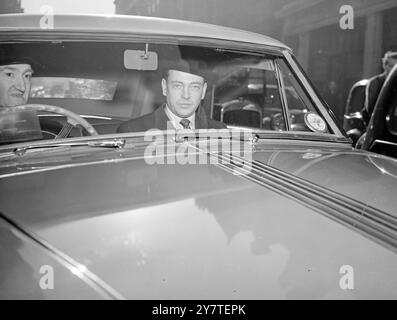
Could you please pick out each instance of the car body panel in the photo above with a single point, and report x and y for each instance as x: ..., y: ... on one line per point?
x: 375, y: 174
x: 265, y: 246
x: 41, y: 274
x: 122, y: 216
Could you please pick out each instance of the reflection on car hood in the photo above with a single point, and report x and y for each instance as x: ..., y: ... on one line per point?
x: 198, y: 231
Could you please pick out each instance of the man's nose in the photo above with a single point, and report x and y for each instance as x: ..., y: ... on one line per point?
x: 186, y: 92
x: 20, y: 83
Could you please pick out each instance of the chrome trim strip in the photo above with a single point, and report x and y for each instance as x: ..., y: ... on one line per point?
x: 140, y: 137
x: 91, y: 279
x: 377, y: 224
x: 308, y: 136
x: 13, y: 36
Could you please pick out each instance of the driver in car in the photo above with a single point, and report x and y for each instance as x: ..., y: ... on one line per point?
x: 184, y: 89
x: 15, y: 81
x: 15, y: 84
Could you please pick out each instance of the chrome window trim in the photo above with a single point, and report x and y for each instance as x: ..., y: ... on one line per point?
x: 76, y: 36
x: 283, y: 96
x: 317, y: 102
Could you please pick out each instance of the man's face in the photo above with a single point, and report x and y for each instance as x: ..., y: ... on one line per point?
x: 14, y: 84
x: 184, y: 91
x: 389, y: 63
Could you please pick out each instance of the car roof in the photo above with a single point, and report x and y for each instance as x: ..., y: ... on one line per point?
x: 133, y: 24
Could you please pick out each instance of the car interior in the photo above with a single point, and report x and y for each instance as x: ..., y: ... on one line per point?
x: 107, y: 83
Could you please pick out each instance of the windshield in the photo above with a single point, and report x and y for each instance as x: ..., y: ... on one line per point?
x: 107, y: 87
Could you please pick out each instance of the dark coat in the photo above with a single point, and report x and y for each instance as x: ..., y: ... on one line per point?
x: 371, y: 95
x: 158, y: 120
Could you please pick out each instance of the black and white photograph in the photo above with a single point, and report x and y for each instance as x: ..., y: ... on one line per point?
x: 198, y: 155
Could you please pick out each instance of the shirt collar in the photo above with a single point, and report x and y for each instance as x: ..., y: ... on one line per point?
x: 175, y: 120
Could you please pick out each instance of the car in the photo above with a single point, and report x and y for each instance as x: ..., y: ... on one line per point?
x: 381, y: 135
x: 276, y: 205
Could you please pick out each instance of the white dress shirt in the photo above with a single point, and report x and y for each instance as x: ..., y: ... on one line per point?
x: 175, y: 120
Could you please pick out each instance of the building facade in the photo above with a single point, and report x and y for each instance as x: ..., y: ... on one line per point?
x: 329, y: 52
x: 251, y: 15
x: 10, y: 6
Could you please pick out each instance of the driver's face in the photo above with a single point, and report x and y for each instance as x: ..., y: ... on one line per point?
x: 184, y: 92
x: 14, y: 84
x: 389, y: 64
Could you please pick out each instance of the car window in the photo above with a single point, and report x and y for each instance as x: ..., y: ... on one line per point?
x: 249, y: 96
x: 302, y: 113
x: 108, y: 83
x: 54, y: 87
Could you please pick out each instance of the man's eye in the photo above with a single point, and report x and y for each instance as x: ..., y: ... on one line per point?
x: 9, y: 74
x: 28, y: 76
x: 196, y: 87
x: 177, y: 86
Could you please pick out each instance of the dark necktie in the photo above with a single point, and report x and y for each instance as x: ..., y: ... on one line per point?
x: 185, y: 123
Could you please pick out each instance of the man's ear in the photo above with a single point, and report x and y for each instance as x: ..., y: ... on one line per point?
x: 164, y: 87
x: 204, y: 90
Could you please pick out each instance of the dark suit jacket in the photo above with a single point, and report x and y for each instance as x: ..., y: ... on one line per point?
x: 372, y: 91
x: 158, y: 120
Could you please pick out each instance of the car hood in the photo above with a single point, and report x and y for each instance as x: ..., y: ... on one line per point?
x: 205, y: 231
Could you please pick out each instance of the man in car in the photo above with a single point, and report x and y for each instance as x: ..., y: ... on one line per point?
x: 374, y: 85
x: 15, y: 81
x: 184, y: 90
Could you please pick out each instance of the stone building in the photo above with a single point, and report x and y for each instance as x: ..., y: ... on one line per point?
x: 328, y: 52
x: 252, y: 15
x: 10, y: 6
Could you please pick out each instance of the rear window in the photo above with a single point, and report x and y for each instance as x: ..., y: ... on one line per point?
x: 75, y: 88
